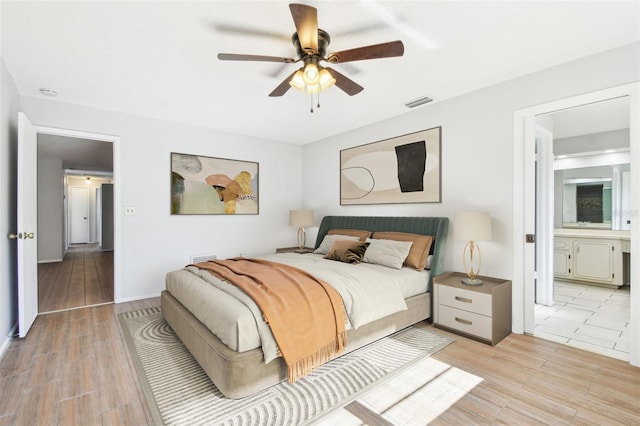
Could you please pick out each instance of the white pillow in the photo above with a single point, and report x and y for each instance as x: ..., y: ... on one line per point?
x: 429, y: 262
x: 387, y: 252
x: 328, y: 241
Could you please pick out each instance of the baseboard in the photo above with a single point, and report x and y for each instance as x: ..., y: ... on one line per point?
x: 7, y: 341
x: 134, y: 298
x: 50, y: 261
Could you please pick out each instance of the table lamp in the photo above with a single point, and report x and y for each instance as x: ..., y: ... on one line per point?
x: 472, y: 227
x: 301, y: 218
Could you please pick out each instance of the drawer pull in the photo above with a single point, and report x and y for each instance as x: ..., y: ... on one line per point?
x: 464, y: 321
x: 463, y: 299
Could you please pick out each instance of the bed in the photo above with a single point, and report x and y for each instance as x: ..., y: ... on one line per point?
x: 238, y: 368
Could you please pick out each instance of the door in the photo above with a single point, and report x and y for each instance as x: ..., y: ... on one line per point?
x: 27, y: 225
x: 79, y: 214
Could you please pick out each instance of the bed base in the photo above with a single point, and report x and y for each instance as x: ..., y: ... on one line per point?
x: 240, y: 374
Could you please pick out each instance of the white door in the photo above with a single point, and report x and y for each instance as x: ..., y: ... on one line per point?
x: 79, y: 214
x: 27, y: 224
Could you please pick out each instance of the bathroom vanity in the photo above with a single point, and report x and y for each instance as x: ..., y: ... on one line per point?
x: 595, y: 256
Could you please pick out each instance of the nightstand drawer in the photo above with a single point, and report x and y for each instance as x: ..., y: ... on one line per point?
x: 467, y: 300
x: 466, y: 322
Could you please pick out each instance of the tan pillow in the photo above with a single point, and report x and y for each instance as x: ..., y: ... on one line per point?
x: 347, y: 251
x: 419, y: 252
x: 360, y: 233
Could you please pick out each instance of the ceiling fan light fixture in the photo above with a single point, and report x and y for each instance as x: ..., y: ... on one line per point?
x: 323, y: 81
x: 297, y: 82
x: 311, y: 74
x: 326, y: 80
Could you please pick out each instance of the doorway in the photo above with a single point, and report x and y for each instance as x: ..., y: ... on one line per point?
x: 524, y: 273
x: 583, y: 294
x: 75, y: 268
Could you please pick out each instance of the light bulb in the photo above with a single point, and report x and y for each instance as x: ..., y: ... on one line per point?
x: 311, y: 74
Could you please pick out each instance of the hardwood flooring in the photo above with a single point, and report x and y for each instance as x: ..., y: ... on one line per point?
x: 83, y: 278
x: 73, y: 369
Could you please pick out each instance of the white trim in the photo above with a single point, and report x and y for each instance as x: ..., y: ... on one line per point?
x: 7, y: 341
x: 50, y: 261
x: 117, y: 243
x: 521, y: 205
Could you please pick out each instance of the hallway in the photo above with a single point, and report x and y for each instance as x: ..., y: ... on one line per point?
x: 83, y: 278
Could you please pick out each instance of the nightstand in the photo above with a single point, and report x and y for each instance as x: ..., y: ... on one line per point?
x: 294, y: 250
x: 481, y: 312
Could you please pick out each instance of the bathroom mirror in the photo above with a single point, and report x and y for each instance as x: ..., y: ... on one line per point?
x: 590, y: 194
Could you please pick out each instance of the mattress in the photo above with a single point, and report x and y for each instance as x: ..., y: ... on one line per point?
x: 233, y: 320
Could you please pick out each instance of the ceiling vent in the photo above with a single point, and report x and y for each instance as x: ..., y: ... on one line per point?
x: 418, y: 102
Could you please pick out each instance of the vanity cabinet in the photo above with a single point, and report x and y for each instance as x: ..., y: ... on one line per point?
x: 589, y: 258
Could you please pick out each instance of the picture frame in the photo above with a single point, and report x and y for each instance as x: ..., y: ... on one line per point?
x: 202, y: 185
x: 403, y: 169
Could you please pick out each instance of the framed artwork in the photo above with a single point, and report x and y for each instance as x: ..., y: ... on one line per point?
x: 404, y: 169
x: 210, y: 185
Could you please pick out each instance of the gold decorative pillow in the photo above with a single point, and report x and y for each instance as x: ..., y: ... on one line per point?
x: 347, y: 251
x: 360, y: 233
x: 420, y: 248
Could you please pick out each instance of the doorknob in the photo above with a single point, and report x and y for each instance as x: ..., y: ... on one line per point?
x: 17, y: 236
x: 28, y: 235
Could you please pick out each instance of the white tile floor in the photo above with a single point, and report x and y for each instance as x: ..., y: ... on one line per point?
x: 587, y: 317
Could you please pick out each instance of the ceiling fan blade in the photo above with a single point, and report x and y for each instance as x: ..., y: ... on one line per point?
x: 347, y: 85
x: 258, y: 58
x: 283, y: 87
x: 375, y: 51
x: 306, y: 20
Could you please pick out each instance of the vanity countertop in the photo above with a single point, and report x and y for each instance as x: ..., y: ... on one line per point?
x: 592, y: 233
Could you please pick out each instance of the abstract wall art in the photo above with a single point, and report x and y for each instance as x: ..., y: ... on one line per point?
x: 403, y: 169
x: 210, y: 185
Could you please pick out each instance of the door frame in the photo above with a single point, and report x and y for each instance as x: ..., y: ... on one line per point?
x: 115, y: 140
x: 524, y: 205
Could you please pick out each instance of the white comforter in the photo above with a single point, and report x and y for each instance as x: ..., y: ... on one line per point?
x: 369, y: 292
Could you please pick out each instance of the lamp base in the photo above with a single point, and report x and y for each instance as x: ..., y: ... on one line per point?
x: 469, y: 281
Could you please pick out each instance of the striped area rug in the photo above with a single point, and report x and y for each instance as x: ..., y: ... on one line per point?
x: 179, y: 392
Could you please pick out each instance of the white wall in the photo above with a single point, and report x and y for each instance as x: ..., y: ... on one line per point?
x: 50, y: 210
x: 154, y: 242
x: 477, y: 149
x: 9, y: 108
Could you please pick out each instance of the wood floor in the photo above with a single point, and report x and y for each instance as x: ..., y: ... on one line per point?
x: 83, y: 278
x: 73, y: 368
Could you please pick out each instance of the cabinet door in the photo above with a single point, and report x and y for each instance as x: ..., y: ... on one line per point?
x: 593, y: 260
x: 561, y: 263
x: 561, y: 257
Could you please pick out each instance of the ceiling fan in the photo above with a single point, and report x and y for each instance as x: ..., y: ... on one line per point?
x: 311, y: 46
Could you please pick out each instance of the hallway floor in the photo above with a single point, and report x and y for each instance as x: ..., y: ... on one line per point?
x: 83, y: 278
x: 587, y: 317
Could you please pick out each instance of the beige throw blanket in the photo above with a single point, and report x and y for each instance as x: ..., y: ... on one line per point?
x: 306, y: 315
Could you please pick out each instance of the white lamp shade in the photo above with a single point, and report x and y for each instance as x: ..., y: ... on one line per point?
x: 472, y: 226
x: 300, y: 218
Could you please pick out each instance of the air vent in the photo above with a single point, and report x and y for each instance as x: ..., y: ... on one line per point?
x: 418, y: 102
x: 197, y: 258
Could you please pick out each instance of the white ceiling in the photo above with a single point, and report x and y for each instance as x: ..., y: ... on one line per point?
x: 598, y: 117
x: 77, y: 154
x: 158, y: 59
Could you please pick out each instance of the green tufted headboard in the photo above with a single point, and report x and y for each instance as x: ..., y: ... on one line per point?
x: 438, y: 227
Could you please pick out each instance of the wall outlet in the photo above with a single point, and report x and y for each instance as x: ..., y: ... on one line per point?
x: 130, y: 211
